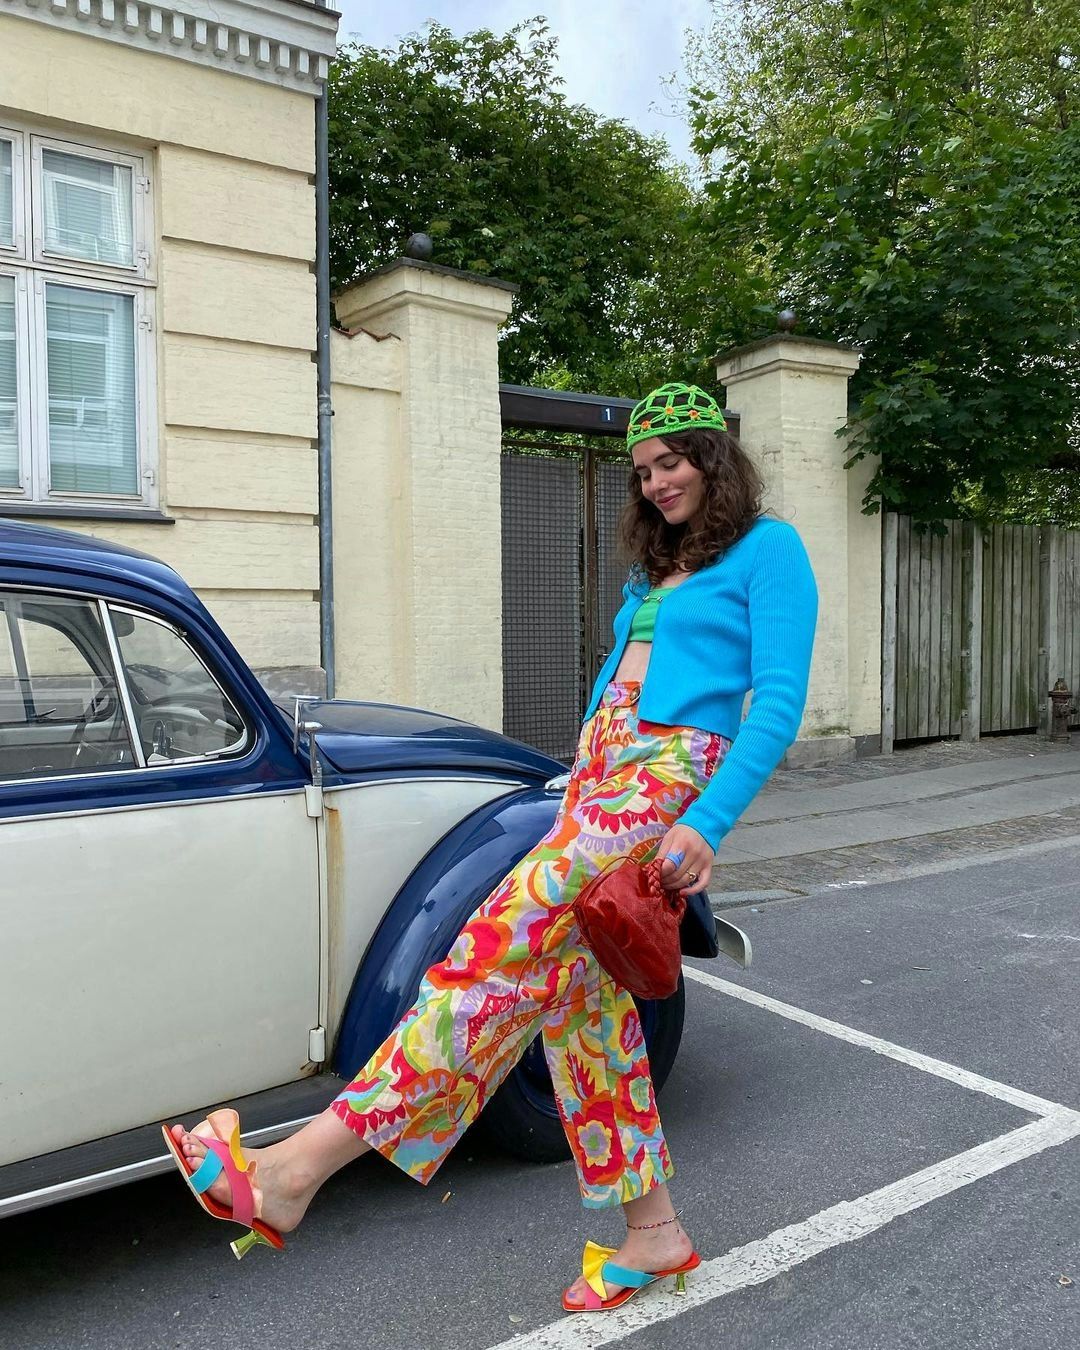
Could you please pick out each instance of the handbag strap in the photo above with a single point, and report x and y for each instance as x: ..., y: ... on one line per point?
x: 636, y: 856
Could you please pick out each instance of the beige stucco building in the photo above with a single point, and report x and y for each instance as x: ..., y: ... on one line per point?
x: 157, y: 292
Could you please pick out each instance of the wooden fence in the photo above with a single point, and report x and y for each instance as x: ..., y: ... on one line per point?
x: 976, y: 628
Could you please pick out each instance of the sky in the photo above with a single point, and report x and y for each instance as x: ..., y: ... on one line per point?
x: 613, y: 54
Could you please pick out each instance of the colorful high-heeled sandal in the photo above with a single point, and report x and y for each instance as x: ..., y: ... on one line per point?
x: 596, y: 1268
x: 220, y: 1132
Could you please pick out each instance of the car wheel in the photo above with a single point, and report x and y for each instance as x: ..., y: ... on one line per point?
x: 522, y: 1116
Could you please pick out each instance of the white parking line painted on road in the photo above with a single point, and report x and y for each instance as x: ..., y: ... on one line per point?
x: 974, y: 1082
x: 758, y: 1262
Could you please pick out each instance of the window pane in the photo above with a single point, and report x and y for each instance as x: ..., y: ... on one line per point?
x: 88, y: 211
x: 179, y: 709
x: 7, y: 195
x: 59, y: 708
x: 9, y: 388
x: 93, y: 444
x: 13, y: 693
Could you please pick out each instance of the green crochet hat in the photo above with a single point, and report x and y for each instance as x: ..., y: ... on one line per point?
x: 673, y: 408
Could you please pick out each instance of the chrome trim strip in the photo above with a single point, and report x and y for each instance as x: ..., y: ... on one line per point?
x: 120, y: 677
x: 510, y: 785
x: 98, y: 776
x: 119, y: 1176
x: 74, y: 592
x: 297, y: 791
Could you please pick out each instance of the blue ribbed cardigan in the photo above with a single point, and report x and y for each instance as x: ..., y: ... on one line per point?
x: 745, y: 622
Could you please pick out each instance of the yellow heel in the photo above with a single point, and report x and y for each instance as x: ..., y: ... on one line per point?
x: 680, y: 1282
x: 243, y: 1245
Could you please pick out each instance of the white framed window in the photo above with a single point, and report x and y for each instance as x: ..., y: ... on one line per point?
x: 14, y: 383
x: 77, y: 294
x: 10, y: 189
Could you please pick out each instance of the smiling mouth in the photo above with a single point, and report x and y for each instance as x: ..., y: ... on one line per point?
x: 664, y: 502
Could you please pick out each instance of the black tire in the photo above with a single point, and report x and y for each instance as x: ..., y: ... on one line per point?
x: 522, y: 1117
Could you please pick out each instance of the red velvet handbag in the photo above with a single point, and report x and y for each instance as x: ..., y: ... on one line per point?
x: 630, y: 923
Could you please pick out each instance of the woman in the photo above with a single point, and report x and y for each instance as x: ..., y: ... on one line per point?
x: 720, y: 600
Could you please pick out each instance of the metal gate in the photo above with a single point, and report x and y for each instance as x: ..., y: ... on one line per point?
x: 562, y: 583
x: 564, y: 486
x: 976, y: 627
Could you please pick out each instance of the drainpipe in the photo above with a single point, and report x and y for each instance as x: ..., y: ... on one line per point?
x: 325, y: 405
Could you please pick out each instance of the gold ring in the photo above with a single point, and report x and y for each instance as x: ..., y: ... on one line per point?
x: 691, y: 876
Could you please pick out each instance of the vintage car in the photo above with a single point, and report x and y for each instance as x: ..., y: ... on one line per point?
x: 205, y: 898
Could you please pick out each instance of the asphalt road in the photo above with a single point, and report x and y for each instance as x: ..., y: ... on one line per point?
x: 814, y: 1169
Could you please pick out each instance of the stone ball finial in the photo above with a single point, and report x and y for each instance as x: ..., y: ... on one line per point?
x: 786, y: 321
x: 419, y: 246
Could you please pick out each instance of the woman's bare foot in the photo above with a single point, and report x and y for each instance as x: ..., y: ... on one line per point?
x: 285, y: 1197
x: 652, y: 1250
x: 289, y: 1173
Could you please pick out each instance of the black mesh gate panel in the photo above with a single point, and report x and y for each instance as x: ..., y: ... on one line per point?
x: 542, y: 600
x: 611, y: 496
x: 562, y: 584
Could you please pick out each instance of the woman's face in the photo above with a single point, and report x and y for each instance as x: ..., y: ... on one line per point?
x: 669, y: 481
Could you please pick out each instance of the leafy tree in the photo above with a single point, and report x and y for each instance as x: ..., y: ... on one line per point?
x: 906, y: 174
x: 1039, y: 497
x: 471, y: 140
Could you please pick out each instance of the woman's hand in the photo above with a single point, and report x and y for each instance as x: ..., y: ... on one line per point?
x: 686, y: 860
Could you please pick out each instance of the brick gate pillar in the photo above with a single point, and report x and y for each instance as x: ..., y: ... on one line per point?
x: 791, y: 394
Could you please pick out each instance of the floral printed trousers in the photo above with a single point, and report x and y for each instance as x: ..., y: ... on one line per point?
x: 518, y: 967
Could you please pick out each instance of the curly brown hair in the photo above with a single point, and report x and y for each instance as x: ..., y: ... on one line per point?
x: 733, y: 493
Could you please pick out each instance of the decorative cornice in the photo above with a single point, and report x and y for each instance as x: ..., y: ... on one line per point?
x: 278, y: 41
x: 438, y: 270
x: 411, y: 281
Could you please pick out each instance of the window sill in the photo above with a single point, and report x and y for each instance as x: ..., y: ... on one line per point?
x: 46, y: 511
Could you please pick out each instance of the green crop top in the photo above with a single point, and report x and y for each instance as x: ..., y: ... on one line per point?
x: 644, y: 620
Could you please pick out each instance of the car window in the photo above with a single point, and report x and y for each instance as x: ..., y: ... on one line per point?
x: 8, y: 673
x: 180, y: 710
x: 60, y: 709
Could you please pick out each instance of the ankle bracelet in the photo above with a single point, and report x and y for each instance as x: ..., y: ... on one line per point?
x: 640, y: 1227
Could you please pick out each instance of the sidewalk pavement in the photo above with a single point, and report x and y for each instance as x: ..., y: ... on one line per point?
x: 851, y: 821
